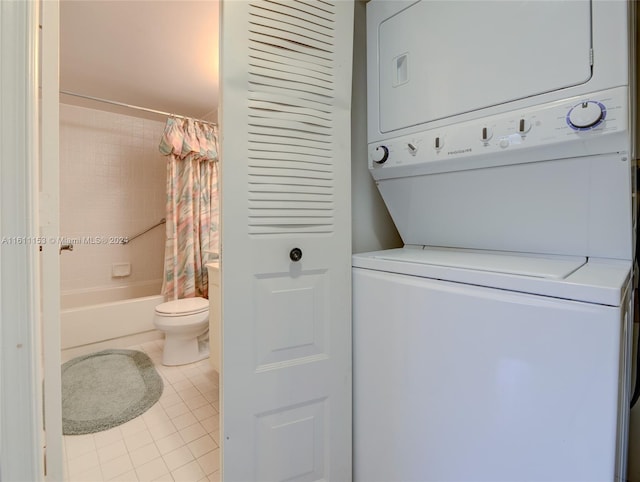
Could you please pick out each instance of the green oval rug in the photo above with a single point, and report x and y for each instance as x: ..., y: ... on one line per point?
x: 106, y: 389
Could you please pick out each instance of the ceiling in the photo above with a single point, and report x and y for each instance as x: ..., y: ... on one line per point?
x: 159, y: 54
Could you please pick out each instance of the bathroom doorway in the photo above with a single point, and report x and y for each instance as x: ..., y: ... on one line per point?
x: 115, y: 58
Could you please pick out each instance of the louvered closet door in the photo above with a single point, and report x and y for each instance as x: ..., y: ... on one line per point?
x: 286, y: 341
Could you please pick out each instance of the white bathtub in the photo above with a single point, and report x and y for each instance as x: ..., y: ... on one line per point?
x: 92, y: 316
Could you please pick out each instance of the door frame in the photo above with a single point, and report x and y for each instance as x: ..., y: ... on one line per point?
x: 21, y: 440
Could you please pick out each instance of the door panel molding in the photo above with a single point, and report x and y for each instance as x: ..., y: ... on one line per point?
x: 285, y: 127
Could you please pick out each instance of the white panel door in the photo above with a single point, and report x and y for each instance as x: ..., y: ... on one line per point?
x: 286, y: 306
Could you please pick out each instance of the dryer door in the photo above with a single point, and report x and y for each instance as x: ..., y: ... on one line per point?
x: 441, y: 58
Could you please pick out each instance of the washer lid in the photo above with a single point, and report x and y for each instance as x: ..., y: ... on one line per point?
x: 601, y: 281
x: 185, y: 306
x: 538, y: 266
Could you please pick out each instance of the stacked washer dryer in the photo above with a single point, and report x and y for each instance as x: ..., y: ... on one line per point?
x: 495, y: 346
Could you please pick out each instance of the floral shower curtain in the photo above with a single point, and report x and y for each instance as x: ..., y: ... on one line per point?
x: 192, y: 206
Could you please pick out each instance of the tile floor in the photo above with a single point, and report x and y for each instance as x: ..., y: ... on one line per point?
x: 175, y: 440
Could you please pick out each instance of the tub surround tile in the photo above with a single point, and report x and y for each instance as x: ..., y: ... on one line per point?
x: 109, y: 162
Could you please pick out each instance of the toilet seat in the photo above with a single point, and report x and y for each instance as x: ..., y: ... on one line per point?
x: 182, y: 307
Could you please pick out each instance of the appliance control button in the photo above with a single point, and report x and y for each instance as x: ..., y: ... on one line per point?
x: 586, y: 115
x: 504, y: 142
x: 438, y: 142
x: 413, y: 149
x: 380, y: 154
x: 486, y: 134
x: 524, y: 125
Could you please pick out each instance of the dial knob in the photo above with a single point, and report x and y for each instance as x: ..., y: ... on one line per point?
x: 586, y: 115
x: 524, y: 125
x: 380, y: 154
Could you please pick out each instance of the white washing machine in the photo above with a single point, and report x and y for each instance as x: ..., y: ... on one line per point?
x: 488, y: 366
x: 495, y: 346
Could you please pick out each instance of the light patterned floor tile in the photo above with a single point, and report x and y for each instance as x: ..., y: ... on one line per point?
x: 83, y: 463
x: 192, y: 432
x: 144, y: 454
x: 107, y: 437
x: 111, y: 451
x: 169, y: 400
x: 91, y: 475
x: 169, y: 443
x: 202, y: 445
x: 126, y: 477
x: 196, y: 402
x: 178, y: 457
x: 184, y: 420
x: 188, y: 473
x: 162, y: 429
x: 138, y: 440
x: 205, y: 411
x: 132, y: 427
x: 189, y: 392
x: 152, y: 470
x: 210, y: 462
x: 173, y: 441
x: 77, y: 445
x: 211, y: 424
x: 164, y: 478
x: 182, y: 385
x: 177, y: 409
x: 115, y: 467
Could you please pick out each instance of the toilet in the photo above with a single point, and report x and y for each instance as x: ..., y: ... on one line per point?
x: 185, y: 324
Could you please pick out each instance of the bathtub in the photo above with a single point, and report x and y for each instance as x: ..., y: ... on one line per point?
x: 92, y: 316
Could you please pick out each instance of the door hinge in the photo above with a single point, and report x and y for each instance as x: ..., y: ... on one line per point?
x: 591, y: 57
x: 44, y: 456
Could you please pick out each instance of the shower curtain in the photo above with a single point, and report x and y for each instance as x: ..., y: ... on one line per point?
x: 192, y: 206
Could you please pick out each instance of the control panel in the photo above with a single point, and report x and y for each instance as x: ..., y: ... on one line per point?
x: 583, y: 119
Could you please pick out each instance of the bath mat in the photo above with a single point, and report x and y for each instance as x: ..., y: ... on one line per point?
x: 106, y: 389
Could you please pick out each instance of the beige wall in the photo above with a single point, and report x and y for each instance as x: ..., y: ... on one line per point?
x: 112, y: 183
x: 372, y: 227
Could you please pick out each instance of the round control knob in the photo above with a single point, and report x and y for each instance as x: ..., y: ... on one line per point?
x: 486, y: 134
x: 295, y: 254
x: 586, y: 115
x: 524, y: 126
x: 380, y: 154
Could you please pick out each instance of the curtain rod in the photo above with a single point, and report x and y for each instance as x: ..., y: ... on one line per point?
x: 135, y: 107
